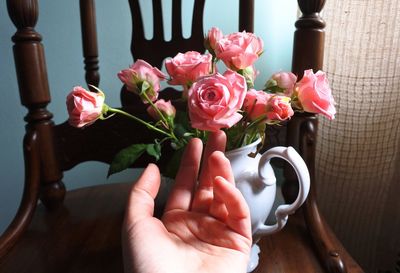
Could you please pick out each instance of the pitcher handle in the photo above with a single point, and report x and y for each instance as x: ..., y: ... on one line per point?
x: 283, y: 211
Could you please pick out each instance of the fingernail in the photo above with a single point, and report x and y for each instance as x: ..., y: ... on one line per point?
x: 220, y: 178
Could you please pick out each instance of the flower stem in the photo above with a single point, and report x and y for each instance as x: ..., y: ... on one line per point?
x: 148, y: 125
x: 166, y: 123
x: 156, y: 109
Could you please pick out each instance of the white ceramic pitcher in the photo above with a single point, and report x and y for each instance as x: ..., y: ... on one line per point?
x: 256, y: 180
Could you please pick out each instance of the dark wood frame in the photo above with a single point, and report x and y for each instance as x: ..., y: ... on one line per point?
x: 308, y: 52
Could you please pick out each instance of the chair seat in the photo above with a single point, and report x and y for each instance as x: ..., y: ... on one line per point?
x: 291, y: 250
x: 84, y: 235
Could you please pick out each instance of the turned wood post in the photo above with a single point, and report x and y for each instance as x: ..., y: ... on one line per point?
x: 246, y: 15
x: 308, y: 53
x: 89, y: 42
x: 34, y: 93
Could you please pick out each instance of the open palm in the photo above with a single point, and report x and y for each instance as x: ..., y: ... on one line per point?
x: 205, y: 227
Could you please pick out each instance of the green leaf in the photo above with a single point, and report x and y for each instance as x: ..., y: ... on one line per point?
x: 126, y: 157
x: 274, y: 90
x: 154, y: 149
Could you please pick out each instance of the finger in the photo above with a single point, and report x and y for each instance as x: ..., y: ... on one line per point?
x: 220, y: 166
x: 215, y: 142
x: 218, y: 209
x: 238, y: 218
x: 143, y: 192
x: 185, y: 181
x: 203, y: 196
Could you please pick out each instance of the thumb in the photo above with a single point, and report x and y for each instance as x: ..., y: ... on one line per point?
x: 141, y: 198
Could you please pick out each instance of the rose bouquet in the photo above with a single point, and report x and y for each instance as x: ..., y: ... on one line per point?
x: 216, y: 100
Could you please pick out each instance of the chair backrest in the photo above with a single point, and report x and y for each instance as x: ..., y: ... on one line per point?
x: 113, y: 134
x: 57, y: 143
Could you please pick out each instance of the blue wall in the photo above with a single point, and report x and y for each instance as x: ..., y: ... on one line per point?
x: 273, y: 22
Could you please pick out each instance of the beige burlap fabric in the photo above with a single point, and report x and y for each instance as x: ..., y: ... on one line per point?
x: 358, y: 155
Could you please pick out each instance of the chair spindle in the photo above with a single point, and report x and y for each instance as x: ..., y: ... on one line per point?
x: 246, y: 16
x: 89, y: 42
x: 308, y: 53
x: 34, y: 92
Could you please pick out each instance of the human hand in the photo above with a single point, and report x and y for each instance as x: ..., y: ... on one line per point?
x: 204, y: 228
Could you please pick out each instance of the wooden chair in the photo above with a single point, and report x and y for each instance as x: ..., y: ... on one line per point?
x: 79, y: 230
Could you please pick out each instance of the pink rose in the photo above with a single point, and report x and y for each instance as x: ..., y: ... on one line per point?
x: 165, y: 107
x: 142, y: 77
x: 186, y: 68
x: 84, y: 107
x: 213, y: 36
x: 279, y: 108
x: 286, y: 81
x: 315, y: 95
x: 239, y: 50
x: 255, y: 104
x: 214, y: 101
x: 259, y: 104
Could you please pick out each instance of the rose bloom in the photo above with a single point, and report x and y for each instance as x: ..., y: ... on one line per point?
x: 258, y: 104
x: 255, y: 103
x: 84, y: 107
x: 279, y: 108
x: 315, y: 95
x: 186, y: 68
x: 165, y: 107
x: 214, y: 101
x: 285, y: 80
x: 239, y: 50
x: 213, y: 36
x: 140, y: 72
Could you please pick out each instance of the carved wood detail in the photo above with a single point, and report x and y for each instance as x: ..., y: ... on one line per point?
x: 140, y: 45
x: 308, y: 52
x: 89, y: 42
x: 34, y: 92
x: 309, y: 38
x: 246, y: 15
x: 111, y: 135
x: 309, y: 7
x: 30, y: 195
x: 102, y: 140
